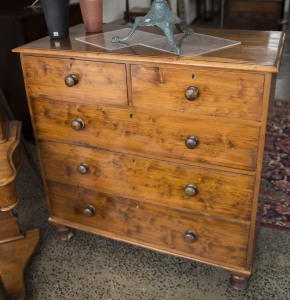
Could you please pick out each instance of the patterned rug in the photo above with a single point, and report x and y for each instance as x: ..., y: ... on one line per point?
x: 276, y: 185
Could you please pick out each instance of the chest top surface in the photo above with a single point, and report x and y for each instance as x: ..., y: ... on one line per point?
x: 258, y: 51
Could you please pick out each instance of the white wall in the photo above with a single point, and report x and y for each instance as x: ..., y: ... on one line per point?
x: 190, y: 11
x: 114, y: 9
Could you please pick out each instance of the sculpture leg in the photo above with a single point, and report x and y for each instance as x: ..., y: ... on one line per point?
x: 169, y: 33
x: 186, y: 31
x: 239, y: 283
x: 120, y: 39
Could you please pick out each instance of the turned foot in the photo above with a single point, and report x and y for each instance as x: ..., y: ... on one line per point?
x: 238, y: 283
x: 64, y: 233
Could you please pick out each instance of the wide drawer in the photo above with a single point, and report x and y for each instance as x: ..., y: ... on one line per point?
x: 148, y: 225
x: 224, y: 94
x: 214, y: 193
x: 97, y: 82
x: 224, y: 143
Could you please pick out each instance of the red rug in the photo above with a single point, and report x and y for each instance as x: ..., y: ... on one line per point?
x: 276, y: 185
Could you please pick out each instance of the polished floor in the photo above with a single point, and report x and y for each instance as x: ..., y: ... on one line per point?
x: 93, y: 267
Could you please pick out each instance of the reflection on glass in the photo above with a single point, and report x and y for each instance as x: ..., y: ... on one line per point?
x: 192, y: 45
x: 104, y: 40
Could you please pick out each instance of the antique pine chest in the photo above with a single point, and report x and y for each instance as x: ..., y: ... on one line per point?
x: 156, y: 150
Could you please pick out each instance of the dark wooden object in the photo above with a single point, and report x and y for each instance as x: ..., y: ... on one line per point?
x: 133, y: 152
x: 3, y: 292
x: 16, y: 248
x: 26, y: 152
x: 254, y: 14
x: 205, y: 10
x: 21, y: 24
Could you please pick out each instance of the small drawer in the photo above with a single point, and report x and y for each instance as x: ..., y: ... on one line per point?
x: 224, y: 94
x: 178, y: 233
x: 202, y: 139
x: 219, y: 194
x: 76, y: 80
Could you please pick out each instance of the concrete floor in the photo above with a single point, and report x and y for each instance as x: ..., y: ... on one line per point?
x: 93, y: 267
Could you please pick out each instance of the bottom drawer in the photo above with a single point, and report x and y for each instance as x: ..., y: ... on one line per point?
x: 217, y: 241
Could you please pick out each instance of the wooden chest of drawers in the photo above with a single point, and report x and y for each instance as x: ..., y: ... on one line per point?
x: 152, y: 149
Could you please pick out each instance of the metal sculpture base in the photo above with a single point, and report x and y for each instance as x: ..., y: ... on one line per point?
x: 159, y: 15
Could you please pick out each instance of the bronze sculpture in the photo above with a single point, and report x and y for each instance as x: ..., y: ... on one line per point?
x: 159, y: 15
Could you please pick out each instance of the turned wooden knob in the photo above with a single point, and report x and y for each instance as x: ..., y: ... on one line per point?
x: 191, y: 142
x: 71, y: 80
x: 77, y: 124
x: 83, y: 168
x: 89, y: 210
x: 190, y: 190
x: 192, y: 93
x: 190, y: 236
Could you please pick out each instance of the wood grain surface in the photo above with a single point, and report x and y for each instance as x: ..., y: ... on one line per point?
x: 13, y: 260
x: 224, y: 94
x: 98, y: 82
x: 217, y: 241
x: 222, y: 142
x: 9, y: 162
x: 136, y: 120
x: 258, y: 51
x: 220, y: 194
x: 9, y: 229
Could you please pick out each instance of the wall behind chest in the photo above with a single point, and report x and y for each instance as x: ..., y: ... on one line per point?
x: 114, y: 9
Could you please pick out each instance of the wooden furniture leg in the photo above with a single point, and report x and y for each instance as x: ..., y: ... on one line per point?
x: 238, y: 283
x: 64, y: 233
